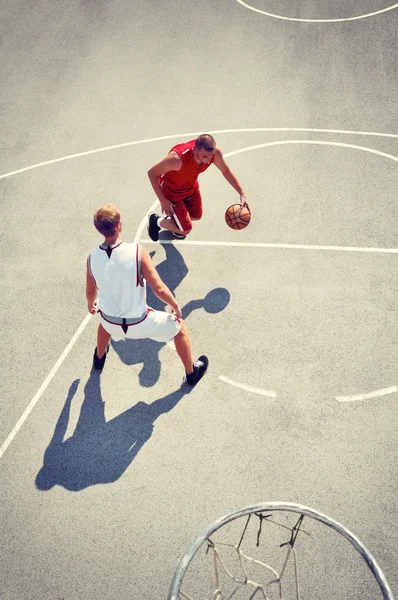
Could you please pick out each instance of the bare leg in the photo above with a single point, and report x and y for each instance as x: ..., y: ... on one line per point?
x: 103, y: 338
x: 170, y: 225
x: 183, y: 346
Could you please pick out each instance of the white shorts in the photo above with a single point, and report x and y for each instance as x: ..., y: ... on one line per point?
x: 158, y: 325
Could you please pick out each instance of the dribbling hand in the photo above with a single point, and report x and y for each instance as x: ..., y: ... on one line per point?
x: 244, y: 202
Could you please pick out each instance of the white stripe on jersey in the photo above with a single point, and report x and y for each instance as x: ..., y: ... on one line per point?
x: 176, y: 218
x: 121, y: 287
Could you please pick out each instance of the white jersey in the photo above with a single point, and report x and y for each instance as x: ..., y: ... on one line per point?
x: 116, y: 271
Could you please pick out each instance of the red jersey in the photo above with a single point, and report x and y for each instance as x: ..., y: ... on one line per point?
x: 184, y: 182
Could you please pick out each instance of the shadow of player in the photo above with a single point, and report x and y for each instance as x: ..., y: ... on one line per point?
x: 99, y: 451
x: 146, y: 352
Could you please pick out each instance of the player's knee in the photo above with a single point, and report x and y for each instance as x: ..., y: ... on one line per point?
x: 186, y: 231
x: 183, y: 328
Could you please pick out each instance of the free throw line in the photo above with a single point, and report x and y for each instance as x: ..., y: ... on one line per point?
x: 269, y: 245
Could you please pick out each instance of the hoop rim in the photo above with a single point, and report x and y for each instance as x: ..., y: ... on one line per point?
x: 288, y: 507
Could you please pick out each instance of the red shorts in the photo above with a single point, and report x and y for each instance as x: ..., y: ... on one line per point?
x: 185, y: 210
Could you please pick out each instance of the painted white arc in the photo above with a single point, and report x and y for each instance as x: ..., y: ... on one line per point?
x: 313, y: 143
x: 299, y: 20
x: 196, y: 133
x: 368, y: 396
x: 248, y: 388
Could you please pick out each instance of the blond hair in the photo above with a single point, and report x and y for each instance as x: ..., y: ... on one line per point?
x: 105, y: 219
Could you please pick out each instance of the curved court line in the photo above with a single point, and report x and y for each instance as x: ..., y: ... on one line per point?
x: 284, y: 143
x: 82, y: 326
x: 248, y: 388
x: 314, y: 143
x: 298, y: 20
x: 170, y: 137
x: 144, y: 221
x: 368, y: 396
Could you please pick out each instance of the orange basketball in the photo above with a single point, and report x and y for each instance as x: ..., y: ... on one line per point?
x: 237, y: 216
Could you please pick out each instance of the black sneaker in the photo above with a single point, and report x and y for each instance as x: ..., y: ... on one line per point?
x: 199, y: 369
x: 98, y: 363
x: 179, y: 235
x: 153, y: 227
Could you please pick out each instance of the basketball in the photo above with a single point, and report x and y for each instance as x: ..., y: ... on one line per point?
x: 237, y: 216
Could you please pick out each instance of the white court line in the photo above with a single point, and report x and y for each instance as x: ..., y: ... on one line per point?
x: 248, y: 388
x: 313, y: 143
x: 270, y: 245
x: 59, y: 362
x: 44, y: 385
x: 144, y: 222
x: 375, y: 394
x: 275, y: 16
x: 196, y: 133
x: 42, y: 388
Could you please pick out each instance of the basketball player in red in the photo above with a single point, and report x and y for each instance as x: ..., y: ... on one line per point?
x: 175, y: 182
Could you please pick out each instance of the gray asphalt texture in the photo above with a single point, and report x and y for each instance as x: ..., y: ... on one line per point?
x: 110, y: 478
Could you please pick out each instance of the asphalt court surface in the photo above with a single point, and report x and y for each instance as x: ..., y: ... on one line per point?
x: 107, y: 480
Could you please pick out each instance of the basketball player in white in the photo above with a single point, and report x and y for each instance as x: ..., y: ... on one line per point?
x: 117, y: 273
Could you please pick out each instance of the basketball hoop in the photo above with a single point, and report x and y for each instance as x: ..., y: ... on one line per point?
x: 277, y: 551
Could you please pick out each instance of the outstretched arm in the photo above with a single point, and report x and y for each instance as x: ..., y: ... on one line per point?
x: 158, y: 287
x: 230, y: 176
x: 172, y: 162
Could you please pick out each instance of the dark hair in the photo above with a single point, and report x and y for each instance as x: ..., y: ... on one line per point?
x: 205, y: 142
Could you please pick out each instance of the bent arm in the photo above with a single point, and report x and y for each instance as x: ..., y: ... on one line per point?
x: 229, y: 176
x: 91, y: 290
x: 172, y: 162
x: 158, y: 287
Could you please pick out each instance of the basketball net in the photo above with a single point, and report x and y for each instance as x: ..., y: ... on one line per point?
x: 271, y: 571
